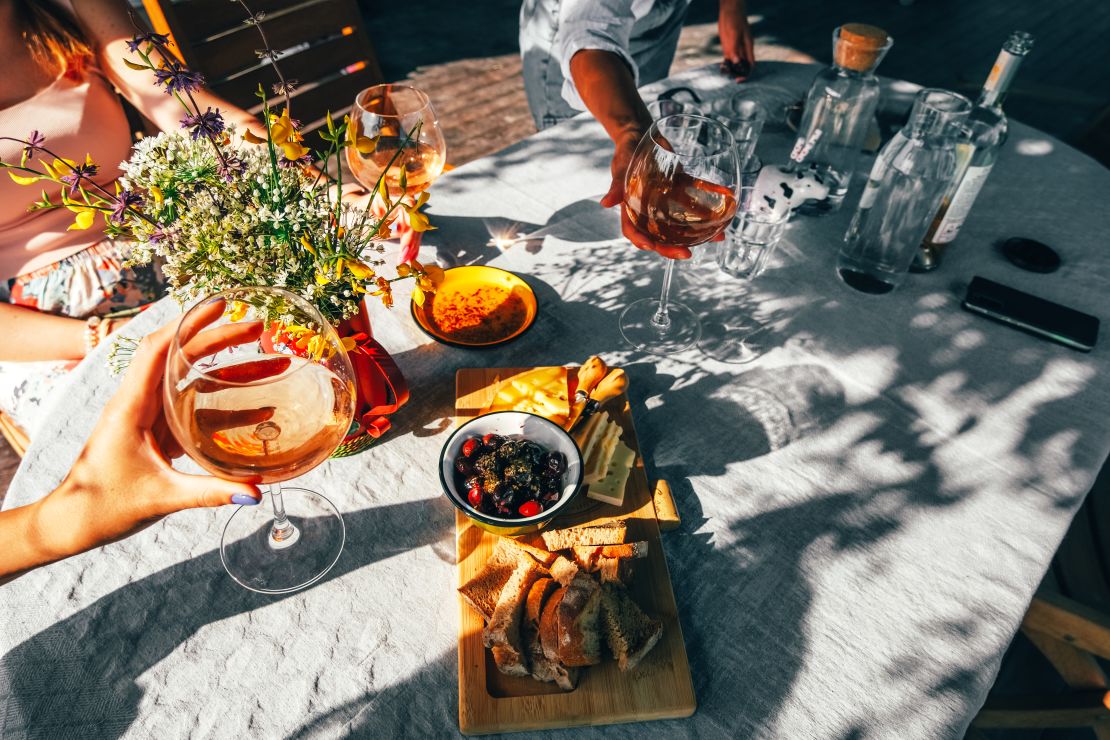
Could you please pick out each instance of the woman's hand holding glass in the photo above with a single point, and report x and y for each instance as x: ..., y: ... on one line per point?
x: 122, y: 482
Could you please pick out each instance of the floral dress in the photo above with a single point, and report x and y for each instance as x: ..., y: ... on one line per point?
x: 93, y: 282
x: 56, y: 268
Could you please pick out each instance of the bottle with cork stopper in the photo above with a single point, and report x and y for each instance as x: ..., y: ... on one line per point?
x: 839, y: 108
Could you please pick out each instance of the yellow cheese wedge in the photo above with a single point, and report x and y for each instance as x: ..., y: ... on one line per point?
x: 542, y: 391
x: 610, y: 489
x: 597, y: 464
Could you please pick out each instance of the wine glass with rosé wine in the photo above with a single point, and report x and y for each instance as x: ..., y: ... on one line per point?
x: 680, y: 191
x: 259, y: 389
x: 397, y: 133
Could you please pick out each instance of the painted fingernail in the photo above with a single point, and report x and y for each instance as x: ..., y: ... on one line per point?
x: 244, y: 500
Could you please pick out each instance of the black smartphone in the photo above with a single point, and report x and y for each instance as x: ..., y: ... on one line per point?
x: 1029, y: 313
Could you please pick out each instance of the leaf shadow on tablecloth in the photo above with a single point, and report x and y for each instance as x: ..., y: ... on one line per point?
x: 834, y: 461
x: 80, y: 677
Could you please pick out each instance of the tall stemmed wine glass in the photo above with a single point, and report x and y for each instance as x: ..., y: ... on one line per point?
x: 390, y: 113
x: 259, y: 389
x: 680, y: 191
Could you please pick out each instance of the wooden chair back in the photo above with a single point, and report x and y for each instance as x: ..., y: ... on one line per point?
x: 323, y: 46
x: 1069, y: 623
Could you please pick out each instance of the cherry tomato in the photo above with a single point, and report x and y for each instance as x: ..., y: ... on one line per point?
x: 529, y: 508
x: 474, y: 496
x: 470, y: 446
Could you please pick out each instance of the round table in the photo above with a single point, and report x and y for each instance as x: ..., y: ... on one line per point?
x: 867, y: 508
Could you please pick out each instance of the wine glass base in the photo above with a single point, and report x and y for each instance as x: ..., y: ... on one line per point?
x: 638, y: 329
x: 735, y: 342
x: 251, y: 559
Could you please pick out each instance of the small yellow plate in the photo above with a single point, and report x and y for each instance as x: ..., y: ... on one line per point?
x: 477, y: 306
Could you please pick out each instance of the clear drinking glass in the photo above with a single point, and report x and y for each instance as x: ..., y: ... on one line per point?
x: 903, y: 192
x: 665, y: 107
x: 750, y: 241
x: 680, y: 191
x: 745, y: 119
x: 390, y: 112
x: 258, y: 388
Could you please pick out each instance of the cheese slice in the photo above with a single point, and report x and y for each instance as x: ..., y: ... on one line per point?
x: 610, y: 489
x: 586, y: 432
x: 596, y: 435
x: 597, y: 464
x: 542, y: 391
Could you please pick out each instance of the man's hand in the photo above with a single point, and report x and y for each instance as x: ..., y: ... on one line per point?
x: 736, y: 40
x: 625, y: 144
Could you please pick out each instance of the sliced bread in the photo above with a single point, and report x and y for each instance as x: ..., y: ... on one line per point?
x: 588, y: 557
x: 534, y: 548
x: 543, y: 668
x: 502, y: 632
x: 563, y: 570
x: 615, y: 570
x: 569, y: 624
x: 629, y: 632
x: 610, y: 533
x: 483, y: 590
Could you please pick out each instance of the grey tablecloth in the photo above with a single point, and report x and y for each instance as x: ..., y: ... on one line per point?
x: 867, y: 508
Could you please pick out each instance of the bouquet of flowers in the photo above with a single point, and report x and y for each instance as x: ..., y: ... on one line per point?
x: 223, y: 208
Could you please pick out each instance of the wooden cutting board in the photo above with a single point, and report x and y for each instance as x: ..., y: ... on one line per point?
x: 659, y: 688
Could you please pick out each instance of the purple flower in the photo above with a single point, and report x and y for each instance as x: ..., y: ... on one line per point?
x: 35, y: 142
x: 77, y: 174
x: 287, y: 164
x: 159, y: 235
x: 231, y: 167
x: 158, y: 39
x: 178, y: 79
x: 125, y: 200
x: 208, y: 124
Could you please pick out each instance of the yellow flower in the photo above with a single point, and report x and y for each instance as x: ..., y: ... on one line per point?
x: 308, y: 245
x: 236, y: 310
x: 251, y: 138
x: 435, y: 274
x: 418, y: 296
x: 84, y: 219
x: 361, y: 144
x: 403, y: 270
x: 360, y: 270
x: 23, y: 179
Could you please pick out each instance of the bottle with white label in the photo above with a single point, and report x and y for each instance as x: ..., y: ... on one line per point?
x: 987, y: 133
x: 839, y: 108
x: 908, y: 180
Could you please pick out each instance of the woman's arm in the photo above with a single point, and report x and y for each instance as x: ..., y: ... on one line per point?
x: 122, y: 482
x: 31, y: 335
x: 108, y: 27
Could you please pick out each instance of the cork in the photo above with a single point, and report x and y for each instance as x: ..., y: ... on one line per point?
x: 859, y: 46
x: 665, y: 510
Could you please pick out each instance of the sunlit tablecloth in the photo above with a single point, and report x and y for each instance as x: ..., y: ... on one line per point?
x: 867, y: 508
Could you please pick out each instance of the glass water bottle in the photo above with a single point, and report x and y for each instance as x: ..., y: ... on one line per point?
x: 987, y: 133
x: 906, y: 185
x: 839, y: 108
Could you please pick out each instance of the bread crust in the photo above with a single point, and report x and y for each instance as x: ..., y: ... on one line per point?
x: 610, y: 533
x: 502, y: 633
x: 578, y: 640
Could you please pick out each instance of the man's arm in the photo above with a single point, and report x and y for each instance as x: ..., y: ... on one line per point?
x: 736, y: 40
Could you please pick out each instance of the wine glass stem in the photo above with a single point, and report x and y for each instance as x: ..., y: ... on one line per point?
x: 282, y: 529
x: 662, y: 320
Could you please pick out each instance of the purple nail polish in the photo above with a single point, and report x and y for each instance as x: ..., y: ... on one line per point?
x: 244, y: 500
